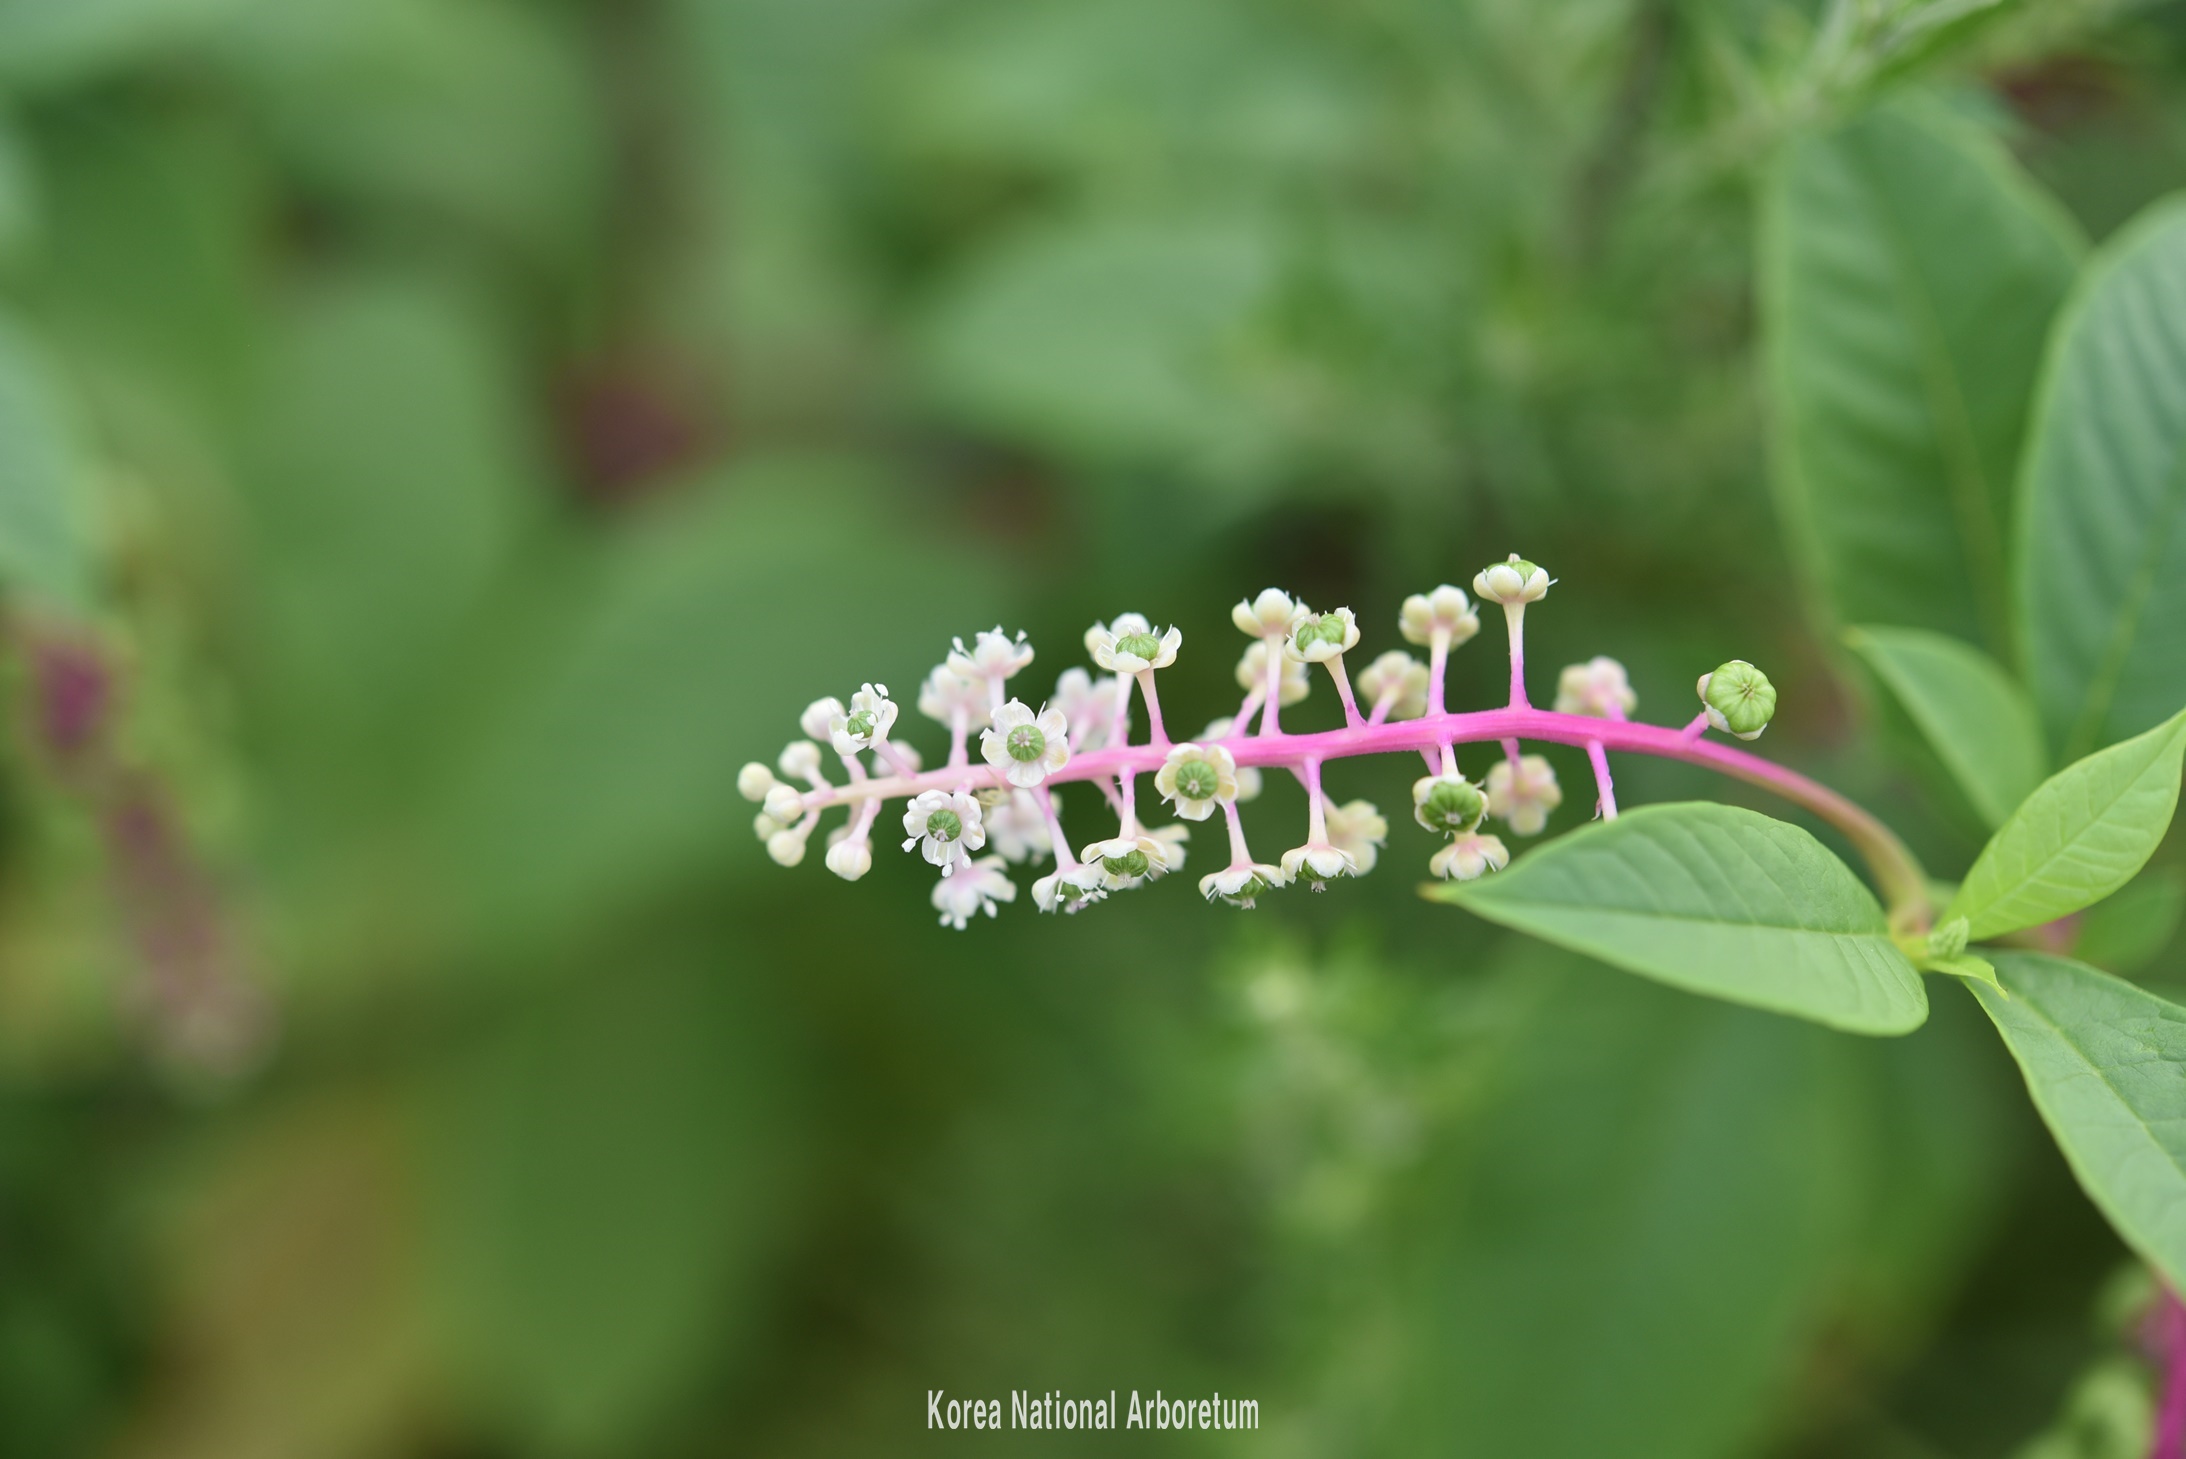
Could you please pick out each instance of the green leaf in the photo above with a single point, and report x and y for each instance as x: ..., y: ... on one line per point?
x: 43, y: 536
x: 1979, y: 721
x: 2125, y: 933
x: 2106, y: 1064
x: 1964, y: 965
x: 2078, y: 838
x: 2102, y: 547
x: 1909, y: 273
x: 1717, y: 900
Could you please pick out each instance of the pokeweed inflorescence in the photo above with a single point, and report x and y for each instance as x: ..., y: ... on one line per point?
x: 974, y: 816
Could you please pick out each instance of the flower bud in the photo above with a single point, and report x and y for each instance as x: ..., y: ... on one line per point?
x: 1523, y: 794
x: 1949, y: 940
x: 800, y: 760
x: 1447, y: 804
x: 818, y: 715
x: 1359, y: 831
x: 786, y: 847
x: 1598, y: 687
x: 849, y: 859
x: 1268, y: 616
x: 754, y: 781
x: 1446, y: 608
x: 1396, y: 673
x: 1739, y: 699
x: 785, y: 804
x: 1512, y: 581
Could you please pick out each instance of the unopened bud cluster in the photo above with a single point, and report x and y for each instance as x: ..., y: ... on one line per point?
x: 977, y: 815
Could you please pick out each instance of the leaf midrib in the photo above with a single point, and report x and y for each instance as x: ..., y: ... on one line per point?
x: 2102, y: 686
x: 1980, y: 533
x: 1881, y: 934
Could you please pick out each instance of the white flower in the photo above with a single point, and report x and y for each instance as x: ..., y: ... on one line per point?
x: 784, y: 804
x: 1242, y: 882
x: 786, y: 847
x: 818, y: 715
x: 866, y: 724
x: 1090, y: 705
x: 764, y: 826
x: 1268, y: 616
x: 1396, y: 672
x: 1248, y: 776
x: 1128, y: 859
x: 1446, y: 608
x: 1513, y: 581
x: 1252, y: 673
x: 971, y: 891
x: 1358, y: 830
x: 1130, y: 645
x: 945, y: 826
x: 1015, y: 827
x: 848, y: 858
x: 1447, y: 804
x: 800, y: 760
x: 1318, y: 861
x: 1524, y: 796
x: 1319, y: 637
x: 754, y: 781
x: 1070, y: 890
x: 1469, y: 857
x: 946, y: 693
x: 1196, y: 779
x: 1598, y: 687
x: 1026, y: 748
x: 994, y: 655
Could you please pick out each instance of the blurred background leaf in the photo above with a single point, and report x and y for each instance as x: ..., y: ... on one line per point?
x: 2104, y: 499
x: 1909, y: 274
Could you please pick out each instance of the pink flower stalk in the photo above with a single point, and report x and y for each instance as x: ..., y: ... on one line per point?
x: 2167, y: 1337
x: 1408, y: 719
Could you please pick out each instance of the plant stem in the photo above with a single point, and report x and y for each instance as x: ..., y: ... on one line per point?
x: 1897, y: 874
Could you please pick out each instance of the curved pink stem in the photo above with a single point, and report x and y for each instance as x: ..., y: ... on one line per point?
x: 1897, y: 874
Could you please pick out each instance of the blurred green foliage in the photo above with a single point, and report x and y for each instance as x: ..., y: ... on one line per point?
x: 440, y: 440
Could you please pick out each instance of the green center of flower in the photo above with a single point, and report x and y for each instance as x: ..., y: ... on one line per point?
x: 1255, y: 885
x: 1455, y: 805
x: 1139, y: 645
x: 859, y: 725
x: 1323, y: 628
x: 1131, y: 863
x: 1196, y: 780
x: 1025, y: 743
x: 944, y: 826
